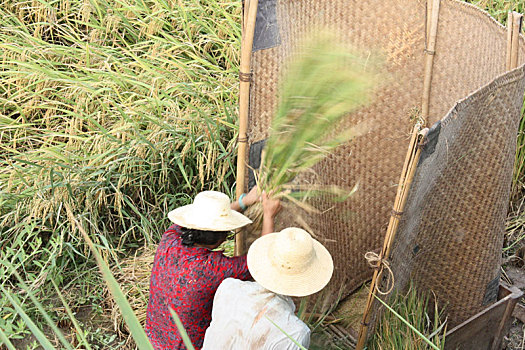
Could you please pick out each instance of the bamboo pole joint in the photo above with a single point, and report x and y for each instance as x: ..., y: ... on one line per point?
x: 245, y: 77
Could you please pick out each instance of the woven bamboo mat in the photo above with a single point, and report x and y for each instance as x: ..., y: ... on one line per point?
x: 470, y: 52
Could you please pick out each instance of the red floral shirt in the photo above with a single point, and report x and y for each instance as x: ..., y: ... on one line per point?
x: 185, y: 279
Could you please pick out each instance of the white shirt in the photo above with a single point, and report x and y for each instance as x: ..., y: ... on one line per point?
x: 240, y: 319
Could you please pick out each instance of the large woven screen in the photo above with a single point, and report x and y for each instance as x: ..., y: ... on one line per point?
x: 469, y: 53
x: 451, y: 234
x: 373, y: 160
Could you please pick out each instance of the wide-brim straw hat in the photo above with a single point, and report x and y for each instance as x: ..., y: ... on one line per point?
x: 290, y: 262
x: 210, y: 211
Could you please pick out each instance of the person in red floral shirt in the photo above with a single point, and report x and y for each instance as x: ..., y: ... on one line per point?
x: 187, y: 272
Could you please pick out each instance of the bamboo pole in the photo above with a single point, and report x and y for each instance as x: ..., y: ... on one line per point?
x: 405, y: 181
x: 244, y: 100
x: 428, y: 17
x: 430, y: 52
x: 246, y: 6
x: 517, y: 19
x: 510, y: 26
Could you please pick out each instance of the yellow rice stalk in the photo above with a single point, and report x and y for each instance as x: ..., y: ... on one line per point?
x: 321, y: 87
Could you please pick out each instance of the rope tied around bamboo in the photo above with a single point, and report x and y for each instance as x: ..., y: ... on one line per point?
x: 377, y: 262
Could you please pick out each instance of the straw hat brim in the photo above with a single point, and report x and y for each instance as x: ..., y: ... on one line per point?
x: 182, y: 216
x: 307, y: 282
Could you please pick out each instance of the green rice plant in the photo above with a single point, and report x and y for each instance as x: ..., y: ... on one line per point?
x: 515, y: 226
x: 515, y: 230
x: 136, y: 330
x: 182, y: 331
x: 286, y: 334
x: 411, y: 321
x: 121, y: 110
x: 499, y: 9
x: 321, y: 87
x: 43, y: 340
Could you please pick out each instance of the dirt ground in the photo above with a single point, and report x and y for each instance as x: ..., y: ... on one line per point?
x: 514, y: 340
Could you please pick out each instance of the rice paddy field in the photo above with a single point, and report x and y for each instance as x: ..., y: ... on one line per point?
x: 117, y: 111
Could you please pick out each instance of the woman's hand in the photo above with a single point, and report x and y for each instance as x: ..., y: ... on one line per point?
x: 271, y: 207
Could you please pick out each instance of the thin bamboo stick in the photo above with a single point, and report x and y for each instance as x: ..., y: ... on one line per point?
x: 429, y: 16
x: 366, y: 316
x: 517, y: 19
x: 244, y: 100
x: 429, y: 60
x: 246, y: 6
x: 510, y: 25
x: 405, y: 181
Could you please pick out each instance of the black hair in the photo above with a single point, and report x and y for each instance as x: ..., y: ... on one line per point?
x: 191, y: 236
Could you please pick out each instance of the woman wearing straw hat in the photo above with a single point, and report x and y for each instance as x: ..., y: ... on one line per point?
x: 260, y: 315
x: 186, y: 271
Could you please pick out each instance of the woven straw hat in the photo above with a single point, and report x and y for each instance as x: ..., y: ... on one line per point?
x: 210, y: 211
x: 290, y: 262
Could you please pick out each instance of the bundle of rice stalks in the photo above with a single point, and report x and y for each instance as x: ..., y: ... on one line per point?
x: 119, y: 109
x: 321, y: 87
x: 421, y: 312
